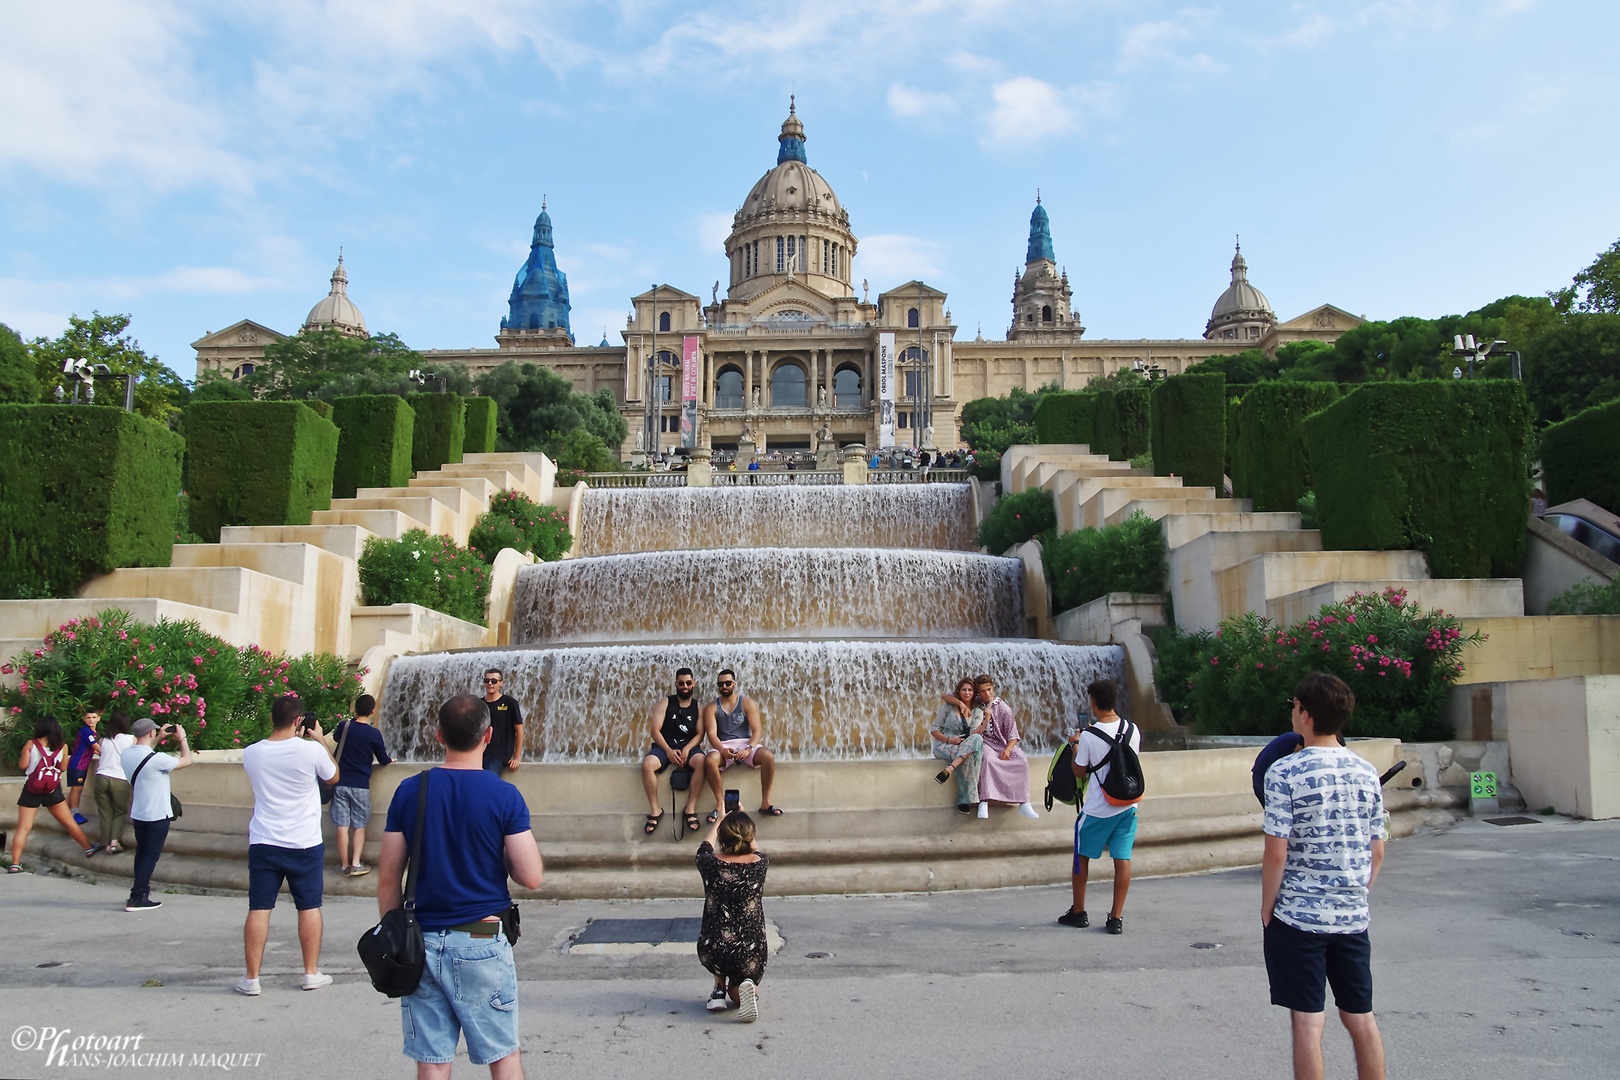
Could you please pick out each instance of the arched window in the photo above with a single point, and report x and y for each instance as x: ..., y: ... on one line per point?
x: 728, y: 389
x: 1046, y: 313
x: 847, y: 389
x: 663, y: 322
x: 245, y: 369
x: 667, y: 357
x: 787, y: 387
x: 911, y: 318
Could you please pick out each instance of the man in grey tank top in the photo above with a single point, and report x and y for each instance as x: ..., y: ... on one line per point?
x: 735, y: 731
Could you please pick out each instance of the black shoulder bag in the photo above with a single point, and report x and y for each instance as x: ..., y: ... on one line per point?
x: 392, y: 950
x: 174, y: 804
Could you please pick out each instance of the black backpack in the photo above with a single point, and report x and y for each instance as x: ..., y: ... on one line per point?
x: 1124, y: 785
x: 1062, y: 786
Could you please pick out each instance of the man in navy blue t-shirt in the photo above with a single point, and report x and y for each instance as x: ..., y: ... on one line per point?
x: 476, y: 828
x: 361, y: 744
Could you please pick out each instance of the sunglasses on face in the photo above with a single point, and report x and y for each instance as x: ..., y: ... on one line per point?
x: 491, y: 682
x: 726, y: 684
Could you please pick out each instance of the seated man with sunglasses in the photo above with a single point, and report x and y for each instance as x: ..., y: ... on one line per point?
x: 733, y: 726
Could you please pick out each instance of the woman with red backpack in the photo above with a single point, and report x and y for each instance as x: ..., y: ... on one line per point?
x: 42, y: 764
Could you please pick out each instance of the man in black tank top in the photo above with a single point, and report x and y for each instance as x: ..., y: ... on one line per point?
x: 677, y: 737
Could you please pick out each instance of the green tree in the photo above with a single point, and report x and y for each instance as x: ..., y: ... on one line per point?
x: 582, y: 449
x: 536, y: 408
x: 997, y: 423
x: 327, y: 364
x: 1408, y: 347
x: 1123, y: 379
x: 1595, y: 289
x: 1573, y: 364
x: 18, y: 386
x: 100, y: 339
x: 1241, y: 369
x: 1305, y: 361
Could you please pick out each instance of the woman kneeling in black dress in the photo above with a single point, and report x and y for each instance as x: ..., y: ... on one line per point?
x: 731, y: 944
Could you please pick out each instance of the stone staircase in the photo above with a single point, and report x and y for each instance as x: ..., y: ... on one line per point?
x: 1225, y: 559
x: 296, y: 588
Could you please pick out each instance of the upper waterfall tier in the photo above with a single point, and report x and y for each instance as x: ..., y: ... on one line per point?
x: 819, y: 699
x: 796, y: 593
x: 937, y: 517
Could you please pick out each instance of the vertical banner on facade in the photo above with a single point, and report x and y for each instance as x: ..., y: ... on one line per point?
x: 690, y: 370
x: 885, y: 390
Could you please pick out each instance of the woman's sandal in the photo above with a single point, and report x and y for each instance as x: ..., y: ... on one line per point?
x: 771, y: 811
x: 714, y: 815
x: 944, y: 774
x: 14, y: 869
x: 652, y: 822
x: 691, y: 823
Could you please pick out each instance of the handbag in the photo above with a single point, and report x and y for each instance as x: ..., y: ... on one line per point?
x: 392, y: 950
x: 326, y: 789
x: 175, y: 809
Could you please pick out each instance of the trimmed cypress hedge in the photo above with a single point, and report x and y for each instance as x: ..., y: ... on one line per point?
x: 1119, y: 423
x: 323, y: 409
x: 480, y: 426
x: 1438, y: 466
x: 86, y: 490
x: 1269, y: 464
x: 440, y: 430
x: 257, y: 463
x: 1064, y: 417
x: 374, y: 443
x: 1580, y: 458
x: 1188, y: 428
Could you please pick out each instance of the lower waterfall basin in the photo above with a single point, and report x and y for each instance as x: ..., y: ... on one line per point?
x: 818, y: 700
x: 798, y: 593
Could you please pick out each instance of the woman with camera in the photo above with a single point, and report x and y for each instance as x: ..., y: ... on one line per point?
x: 958, y: 736
x: 731, y: 943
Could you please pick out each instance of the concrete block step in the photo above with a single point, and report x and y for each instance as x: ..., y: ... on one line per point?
x: 453, y: 495
x: 345, y: 540
x: 1195, y: 564
x: 480, y: 488
x: 1466, y: 597
x: 1180, y: 528
x: 425, y: 512
x: 1251, y: 584
x: 28, y: 621
x: 501, y: 477
x: 288, y: 561
x: 388, y: 523
x: 1157, y: 508
x: 1112, y: 495
x: 234, y: 589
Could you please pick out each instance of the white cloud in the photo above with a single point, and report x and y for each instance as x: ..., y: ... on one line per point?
x: 906, y: 101
x: 895, y: 257
x: 1153, y: 44
x: 712, y: 230
x: 1028, y: 111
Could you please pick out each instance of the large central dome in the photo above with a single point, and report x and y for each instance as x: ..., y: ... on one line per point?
x: 791, y: 224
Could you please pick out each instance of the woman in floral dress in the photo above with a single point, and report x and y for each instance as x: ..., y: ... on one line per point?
x: 731, y: 943
x: 958, y: 737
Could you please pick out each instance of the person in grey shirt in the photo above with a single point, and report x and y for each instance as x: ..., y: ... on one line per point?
x: 149, y: 811
x: 736, y: 732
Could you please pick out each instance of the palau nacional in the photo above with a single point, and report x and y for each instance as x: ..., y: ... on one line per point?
x: 797, y: 345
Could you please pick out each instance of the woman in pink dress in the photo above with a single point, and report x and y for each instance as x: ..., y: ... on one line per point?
x: 1003, y: 770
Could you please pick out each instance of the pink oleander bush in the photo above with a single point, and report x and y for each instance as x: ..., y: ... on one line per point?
x: 1401, y: 662
x: 514, y: 520
x: 173, y: 672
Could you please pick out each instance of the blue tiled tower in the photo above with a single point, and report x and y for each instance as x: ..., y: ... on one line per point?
x: 540, y: 294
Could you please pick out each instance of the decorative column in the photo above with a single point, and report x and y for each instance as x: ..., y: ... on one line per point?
x: 748, y: 378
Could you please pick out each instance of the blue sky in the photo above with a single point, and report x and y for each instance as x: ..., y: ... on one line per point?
x: 194, y: 164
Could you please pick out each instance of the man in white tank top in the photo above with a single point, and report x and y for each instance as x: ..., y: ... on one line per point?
x: 735, y: 731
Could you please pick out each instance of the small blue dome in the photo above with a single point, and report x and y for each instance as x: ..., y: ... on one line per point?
x: 1040, y: 236
x: 539, y: 299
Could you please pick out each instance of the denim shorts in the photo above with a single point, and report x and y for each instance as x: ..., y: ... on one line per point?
x: 351, y: 807
x: 469, y: 987
x: 1092, y: 834
x: 301, y: 868
x: 1299, y: 961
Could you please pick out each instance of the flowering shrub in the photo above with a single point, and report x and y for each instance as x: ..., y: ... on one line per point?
x: 1015, y: 519
x: 1399, y: 660
x: 433, y: 571
x: 516, y: 521
x: 567, y: 478
x: 174, y: 673
x: 1088, y: 563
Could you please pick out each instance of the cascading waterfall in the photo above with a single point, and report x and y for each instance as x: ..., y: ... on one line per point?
x: 820, y: 699
x: 935, y: 517
x: 787, y: 593
x: 846, y: 612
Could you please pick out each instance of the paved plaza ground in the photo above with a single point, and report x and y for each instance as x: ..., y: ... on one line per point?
x: 1496, y: 954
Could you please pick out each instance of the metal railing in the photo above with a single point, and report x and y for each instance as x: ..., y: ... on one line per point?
x: 635, y: 479
x: 916, y: 476
x: 774, y: 478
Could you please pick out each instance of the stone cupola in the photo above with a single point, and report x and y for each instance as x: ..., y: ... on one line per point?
x: 336, y: 311
x: 1242, y: 313
x: 537, y: 310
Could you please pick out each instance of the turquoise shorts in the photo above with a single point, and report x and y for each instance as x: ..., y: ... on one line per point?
x: 1092, y: 834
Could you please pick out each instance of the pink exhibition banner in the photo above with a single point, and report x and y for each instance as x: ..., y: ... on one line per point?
x: 690, y: 369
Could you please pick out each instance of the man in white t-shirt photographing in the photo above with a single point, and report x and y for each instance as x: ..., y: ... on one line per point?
x: 1102, y: 824
x: 284, y: 838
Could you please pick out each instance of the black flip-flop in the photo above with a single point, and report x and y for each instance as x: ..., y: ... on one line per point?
x: 771, y: 811
x: 653, y: 821
x: 943, y: 775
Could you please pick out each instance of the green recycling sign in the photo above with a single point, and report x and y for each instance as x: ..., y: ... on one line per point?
x: 1483, y: 785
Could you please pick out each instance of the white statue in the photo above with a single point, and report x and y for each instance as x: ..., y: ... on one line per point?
x: 821, y: 396
x: 928, y: 435
x: 756, y: 397
x: 865, y: 288
x: 825, y: 435
x: 715, y: 293
x: 640, y: 439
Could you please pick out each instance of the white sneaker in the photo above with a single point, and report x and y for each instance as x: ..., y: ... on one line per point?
x: 317, y: 980
x: 747, y: 1002
x: 718, y: 1001
x: 247, y: 986
x: 984, y: 810
x: 1027, y: 810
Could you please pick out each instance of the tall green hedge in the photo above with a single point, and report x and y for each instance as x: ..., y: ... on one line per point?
x: 1440, y: 466
x: 1188, y: 428
x: 1119, y: 423
x: 480, y: 424
x: 257, y: 463
x: 83, y: 491
x: 1269, y: 464
x: 374, y: 443
x: 441, y: 430
x: 323, y: 409
x: 1579, y: 457
x: 1064, y: 417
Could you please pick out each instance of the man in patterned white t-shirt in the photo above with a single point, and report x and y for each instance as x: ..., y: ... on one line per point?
x: 1324, y: 844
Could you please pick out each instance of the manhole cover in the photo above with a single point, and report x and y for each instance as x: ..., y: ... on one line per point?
x: 817, y: 955
x: 1512, y: 821
x: 54, y: 963
x: 1206, y: 944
